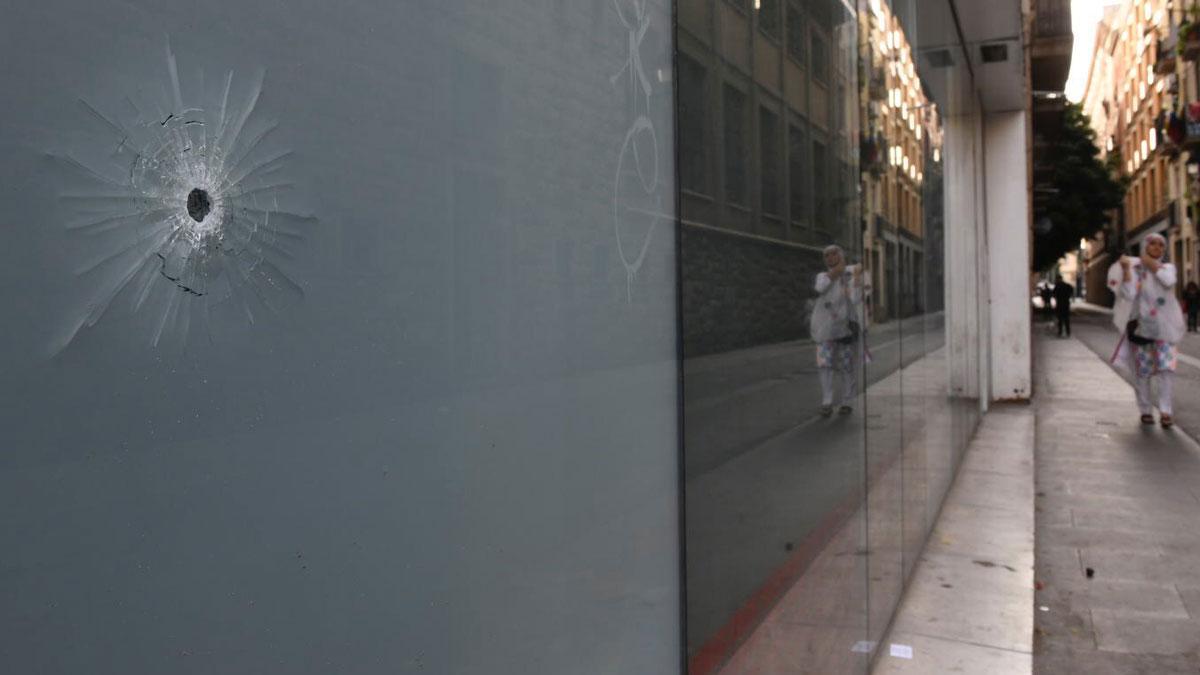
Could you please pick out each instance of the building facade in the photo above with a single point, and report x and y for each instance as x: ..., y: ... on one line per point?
x: 901, y: 135
x: 1142, y: 79
x: 768, y: 141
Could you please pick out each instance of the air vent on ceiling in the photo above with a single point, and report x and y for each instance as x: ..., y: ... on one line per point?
x: 993, y: 53
x: 940, y: 58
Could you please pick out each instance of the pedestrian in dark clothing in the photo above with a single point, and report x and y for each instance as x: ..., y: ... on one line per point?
x: 1063, y: 292
x: 1192, y: 297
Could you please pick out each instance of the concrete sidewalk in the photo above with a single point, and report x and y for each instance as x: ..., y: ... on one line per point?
x: 1118, y: 542
x: 1116, y: 583
x: 969, y: 606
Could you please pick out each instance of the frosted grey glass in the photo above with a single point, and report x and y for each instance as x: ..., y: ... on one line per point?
x: 394, y: 391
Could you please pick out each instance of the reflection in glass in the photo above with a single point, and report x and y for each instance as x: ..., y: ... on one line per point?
x: 774, y: 340
x: 735, y: 145
x: 820, y: 430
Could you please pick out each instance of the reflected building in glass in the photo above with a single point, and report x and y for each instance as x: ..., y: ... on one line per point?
x: 901, y: 137
x: 767, y: 160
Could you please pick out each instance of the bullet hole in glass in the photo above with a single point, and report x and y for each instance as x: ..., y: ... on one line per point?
x: 198, y: 204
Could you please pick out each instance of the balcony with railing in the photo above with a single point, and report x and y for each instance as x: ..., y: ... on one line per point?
x: 1052, y: 42
x: 1053, y: 19
x: 1178, y: 131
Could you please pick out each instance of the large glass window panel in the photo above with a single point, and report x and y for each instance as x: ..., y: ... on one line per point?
x: 773, y: 408
x: 353, y: 347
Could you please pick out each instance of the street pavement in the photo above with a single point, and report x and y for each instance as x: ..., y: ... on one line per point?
x: 1095, y: 329
x: 1117, y: 503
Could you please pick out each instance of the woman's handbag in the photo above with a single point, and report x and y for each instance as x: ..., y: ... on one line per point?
x: 852, y: 337
x: 1131, y: 334
x: 851, y: 324
x: 1131, y: 326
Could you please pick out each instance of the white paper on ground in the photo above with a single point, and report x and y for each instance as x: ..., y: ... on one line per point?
x: 902, y: 651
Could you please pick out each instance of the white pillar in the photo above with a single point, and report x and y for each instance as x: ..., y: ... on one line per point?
x: 1008, y: 241
x: 963, y: 225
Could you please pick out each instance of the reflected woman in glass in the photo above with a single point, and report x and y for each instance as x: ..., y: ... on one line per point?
x: 836, y: 329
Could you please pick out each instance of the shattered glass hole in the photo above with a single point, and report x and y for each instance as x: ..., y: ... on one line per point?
x: 198, y: 204
x: 184, y: 200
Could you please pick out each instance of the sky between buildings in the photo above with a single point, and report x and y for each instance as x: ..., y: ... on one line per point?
x: 1085, y: 14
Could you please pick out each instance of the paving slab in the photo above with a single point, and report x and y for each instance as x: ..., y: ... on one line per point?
x: 953, y: 656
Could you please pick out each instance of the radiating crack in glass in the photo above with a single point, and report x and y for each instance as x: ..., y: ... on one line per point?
x: 182, y: 200
x: 642, y: 203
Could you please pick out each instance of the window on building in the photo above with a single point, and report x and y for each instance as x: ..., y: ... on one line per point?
x: 735, y: 145
x: 822, y: 12
x: 693, y: 125
x: 796, y: 40
x: 820, y: 56
x: 1151, y: 194
x: 769, y: 19
x: 769, y: 154
x: 821, y: 175
x: 798, y: 174
x: 847, y: 197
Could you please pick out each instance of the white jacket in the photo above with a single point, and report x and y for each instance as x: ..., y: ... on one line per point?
x: 838, y: 302
x: 1148, y: 298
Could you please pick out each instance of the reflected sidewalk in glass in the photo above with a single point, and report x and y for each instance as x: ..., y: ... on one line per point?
x: 758, y: 604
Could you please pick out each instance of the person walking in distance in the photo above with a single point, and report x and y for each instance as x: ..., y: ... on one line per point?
x: 1047, y: 295
x: 836, y: 328
x: 1063, y: 294
x: 1191, y: 297
x: 1151, y: 324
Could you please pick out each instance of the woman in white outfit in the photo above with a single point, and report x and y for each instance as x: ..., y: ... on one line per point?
x: 1151, y: 322
x: 837, y: 329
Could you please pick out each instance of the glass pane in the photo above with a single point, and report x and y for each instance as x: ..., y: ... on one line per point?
x: 338, y: 338
x: 773, y: 366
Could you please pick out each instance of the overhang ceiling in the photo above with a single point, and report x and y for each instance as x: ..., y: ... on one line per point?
x: 991, y: 41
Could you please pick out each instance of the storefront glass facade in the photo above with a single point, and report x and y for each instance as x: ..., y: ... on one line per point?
x: 807, y: 507
x: 445, y: 338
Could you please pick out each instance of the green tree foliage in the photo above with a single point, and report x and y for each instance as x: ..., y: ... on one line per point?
x: 1085, y: 189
